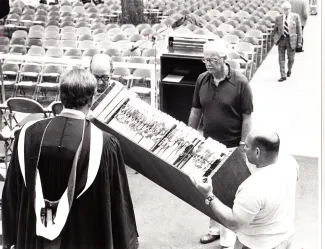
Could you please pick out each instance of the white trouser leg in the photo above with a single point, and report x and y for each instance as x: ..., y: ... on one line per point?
x: 227, y: 237
x: 214, y: 227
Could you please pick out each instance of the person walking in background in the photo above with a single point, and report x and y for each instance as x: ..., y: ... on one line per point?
x: 224, y: 99
x: 66, y: 185
x: 287, y: 36
x: 301, y: 7
x: 263, y: 214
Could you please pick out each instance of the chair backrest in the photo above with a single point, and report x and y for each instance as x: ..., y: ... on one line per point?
x: 235, y: 65
x: 119, y: 37
x: 232, y: 39
x: 4, y: 40
x: 91, y: 52
x: 136, y: 37
x: 84, y: 45
x: 68, y: 29
x: 113, y: 52
x: 36, y: 28
x: 85, y: 37
x: 137, y: 59
x: 20, y: 34
x: 24, y: 105
x: 37, y: 34
x: 144, y: 73
x: 18, y: 50
x: 121, y: 71
x: 57, y: 107
x: 128, y: 52
x: 36, y: 51
x: 54, y: 52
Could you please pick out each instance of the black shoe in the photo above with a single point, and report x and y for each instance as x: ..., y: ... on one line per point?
x: 282, y: 79
x: 299, y: 50
x: 208, y: 238
x: 288, y: 73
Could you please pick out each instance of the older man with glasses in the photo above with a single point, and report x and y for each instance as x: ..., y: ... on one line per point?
x: 101, y: 66
x: 224, y: 99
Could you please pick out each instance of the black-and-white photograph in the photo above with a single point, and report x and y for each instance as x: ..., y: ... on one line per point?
x: 161, y: 124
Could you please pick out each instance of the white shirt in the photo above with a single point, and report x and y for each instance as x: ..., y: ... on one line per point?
x: 269, y: 194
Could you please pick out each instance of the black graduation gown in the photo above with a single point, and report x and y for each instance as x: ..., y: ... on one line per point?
x: 101, y: 218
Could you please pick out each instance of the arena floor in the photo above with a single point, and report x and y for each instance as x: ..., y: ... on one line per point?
x: 293, y: 109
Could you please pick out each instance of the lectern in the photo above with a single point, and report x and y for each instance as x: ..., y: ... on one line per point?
x: 176, y: 95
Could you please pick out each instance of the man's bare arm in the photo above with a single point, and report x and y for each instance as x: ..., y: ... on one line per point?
x: 195, y: 117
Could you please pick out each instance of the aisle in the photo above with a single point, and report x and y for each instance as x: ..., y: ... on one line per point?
x: 292, y: 107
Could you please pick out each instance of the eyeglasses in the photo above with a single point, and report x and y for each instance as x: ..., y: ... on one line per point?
x: 103, y: 78
x: 210, y: 60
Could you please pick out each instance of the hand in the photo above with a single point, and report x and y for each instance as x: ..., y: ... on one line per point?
x: 203, y: 184
x: 299, y: 45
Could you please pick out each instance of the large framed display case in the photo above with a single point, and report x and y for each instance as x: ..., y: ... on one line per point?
x: 168, y: 152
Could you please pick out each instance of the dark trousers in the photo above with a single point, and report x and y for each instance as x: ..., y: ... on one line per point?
x: 302, y: 42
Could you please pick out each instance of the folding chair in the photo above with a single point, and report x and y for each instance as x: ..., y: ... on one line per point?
x: 226, y: 28
x: 73, y: 53
x: 28, y: 106
x: 49, y: 80
x: 128, y: 52
x: 40, y: 20
x: 17, y: 42
x: 219, y: 33
x: 100, y: 31
x: 28, y: 78
x: 10, y: 74
x: 18, y: 50
x: 126, y: 26
x: 233, y: 23
x: 69, y: 36
x: 82, y: 25
x: 103, y: 45
x: 231, y: 39
x: 56, y: 107
x: 67, y: 24
x: 37, y: 28
x: 51, y: 35
x: 227, y: 14
x: 33, y: 42
x: 131, y: 31
x: 85, y: 45
x: 54, y: 52
x: 68, y: 29
x: 145, y: 76
x: 249, y: 50
x: 20, y: 34
x: 101, y: 37
x: 91, y: 52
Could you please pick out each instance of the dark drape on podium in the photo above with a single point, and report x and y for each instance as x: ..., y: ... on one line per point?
x: 4, y: 8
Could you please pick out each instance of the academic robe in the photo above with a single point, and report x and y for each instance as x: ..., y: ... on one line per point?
x: 101, y: 218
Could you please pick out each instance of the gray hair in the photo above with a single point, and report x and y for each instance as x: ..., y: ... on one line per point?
x: 218, y: 46
x: 286, y: 5
x: 77, y: 88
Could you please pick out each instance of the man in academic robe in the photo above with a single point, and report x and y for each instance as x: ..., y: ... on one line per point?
x: 66, y: 186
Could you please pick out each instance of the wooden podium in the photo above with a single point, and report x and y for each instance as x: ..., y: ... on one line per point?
x: 232, y: 171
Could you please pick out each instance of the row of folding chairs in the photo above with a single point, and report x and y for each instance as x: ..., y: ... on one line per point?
x: 16, y: 112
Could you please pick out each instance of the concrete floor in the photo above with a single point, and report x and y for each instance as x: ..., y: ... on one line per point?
x: 293, y: 109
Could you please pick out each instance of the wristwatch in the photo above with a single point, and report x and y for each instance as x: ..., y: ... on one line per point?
x: 209, y: 199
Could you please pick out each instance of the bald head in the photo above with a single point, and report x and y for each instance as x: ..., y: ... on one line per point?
x: 101, y: 64
x: 265, y: 140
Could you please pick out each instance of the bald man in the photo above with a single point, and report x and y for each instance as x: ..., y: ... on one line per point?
x: 101, y: 66
x: 264, y: 207
x: 224, y: 99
